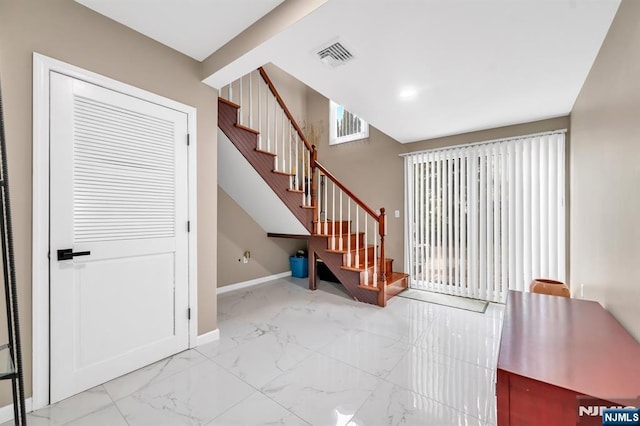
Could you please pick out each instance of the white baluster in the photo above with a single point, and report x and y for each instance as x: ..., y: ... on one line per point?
x: 266, y: 109
x: 375, y: 255
x: 292, y: 168
x: 251, y: 99
x: 308, y: 185
x: 366, y: 251
x: 326, y: 228
x: 350, y: 232
x: 275, y: 132
x: 240, y: 103
x: 297, y: 171
x: 260, y: 146
x: 318, y: 223
x: 284, y: 152
x: 231, y: 91
x: 340, y: 241
x: 333, y: 216
x: 357, y: 237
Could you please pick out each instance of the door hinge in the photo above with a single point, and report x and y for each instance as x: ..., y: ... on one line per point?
x: 188, y: 139
x: 189, y: 313
x: 188, y: 226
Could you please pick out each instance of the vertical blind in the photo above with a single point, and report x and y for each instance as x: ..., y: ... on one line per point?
x: 485, y: 218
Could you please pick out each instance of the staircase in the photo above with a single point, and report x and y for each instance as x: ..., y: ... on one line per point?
x: 344, y: 232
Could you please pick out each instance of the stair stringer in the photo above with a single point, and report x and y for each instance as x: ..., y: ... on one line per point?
x: 245, y: 142
x: 350, y: 280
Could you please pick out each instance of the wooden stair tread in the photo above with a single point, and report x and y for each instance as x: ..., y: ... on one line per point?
x: 228, y: 102
x: 311, y: 207
x: 248, y: 129
x: 353, y: 249
x: 361, y: 267
x: 396, y: 278
x: 278, y: 172
x: 370, y: 287
x: 297, y: 191
x: 329, y: 235
x: 398, y: 282
x: 265, y: 152
x: 395, y: 281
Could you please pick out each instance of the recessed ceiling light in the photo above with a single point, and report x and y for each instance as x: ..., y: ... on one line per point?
x: 408, y: 93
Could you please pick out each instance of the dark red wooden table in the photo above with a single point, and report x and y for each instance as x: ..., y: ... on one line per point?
x: 555, y: 350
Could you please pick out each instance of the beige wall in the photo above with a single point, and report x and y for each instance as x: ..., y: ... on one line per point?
x: 490, y: 134
x: 605, y: 174
x: 67, y: 31
x: 371, y: 168
x: 292, y: 91
x: 238, y: 233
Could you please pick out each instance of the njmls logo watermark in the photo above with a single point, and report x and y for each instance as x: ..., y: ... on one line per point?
x: 621, y: 416
x: 596, y: 412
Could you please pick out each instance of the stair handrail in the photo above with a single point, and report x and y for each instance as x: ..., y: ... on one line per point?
x: 284, y: 107
x: 379, y: 217
x: 314, y: 165
x: 347, y: 191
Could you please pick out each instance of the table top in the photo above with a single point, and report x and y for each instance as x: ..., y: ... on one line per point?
x: 571, y: 343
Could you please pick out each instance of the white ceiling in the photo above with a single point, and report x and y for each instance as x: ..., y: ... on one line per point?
x: 473, y: 64
x: 196, y: 28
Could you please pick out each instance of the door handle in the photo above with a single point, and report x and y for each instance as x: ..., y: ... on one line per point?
x: 68, y: 254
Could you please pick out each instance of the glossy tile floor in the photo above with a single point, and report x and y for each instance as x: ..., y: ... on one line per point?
x: 289, y: 356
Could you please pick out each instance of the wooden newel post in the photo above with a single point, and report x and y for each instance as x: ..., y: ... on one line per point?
x: 381, y: 231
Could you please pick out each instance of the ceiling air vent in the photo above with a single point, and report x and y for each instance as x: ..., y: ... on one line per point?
x: 335, y: 54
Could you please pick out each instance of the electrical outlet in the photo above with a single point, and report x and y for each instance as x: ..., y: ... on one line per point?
x: 396, y: 214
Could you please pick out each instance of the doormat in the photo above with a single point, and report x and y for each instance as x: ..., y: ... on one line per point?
x: 467, y: 304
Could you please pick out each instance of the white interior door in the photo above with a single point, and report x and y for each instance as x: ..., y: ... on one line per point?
x: 119, y: 206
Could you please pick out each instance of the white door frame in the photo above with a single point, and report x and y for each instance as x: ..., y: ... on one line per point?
x: 42, y: 67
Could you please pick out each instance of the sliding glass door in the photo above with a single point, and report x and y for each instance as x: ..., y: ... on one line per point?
x: 485, y: 218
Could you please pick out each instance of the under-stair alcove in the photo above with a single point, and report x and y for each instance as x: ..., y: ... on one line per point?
x: 268, y: 165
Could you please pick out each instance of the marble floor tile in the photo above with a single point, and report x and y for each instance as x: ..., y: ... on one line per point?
x: 137, y: 380
x: 458, y: 384
x: 72, y: 408
x: 261, y: 360
x: 391, y: 405
x: 258, y: 410
x: 249, y: 303
x: 472, y: 346
x: 396, y: 325
x: 321, y: 390
x: 310, y: 326
x: 235, y: 332
x: 192, y: 397
x: 288, y: 355
x: 492, y: 417
x: 109, y: 416
x: 369, y: 352
x: 413, y: 309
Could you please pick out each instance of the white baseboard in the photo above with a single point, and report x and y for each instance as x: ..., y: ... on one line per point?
x: 6, y: 412
x: 250, y: 283
x: 208, y: 337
